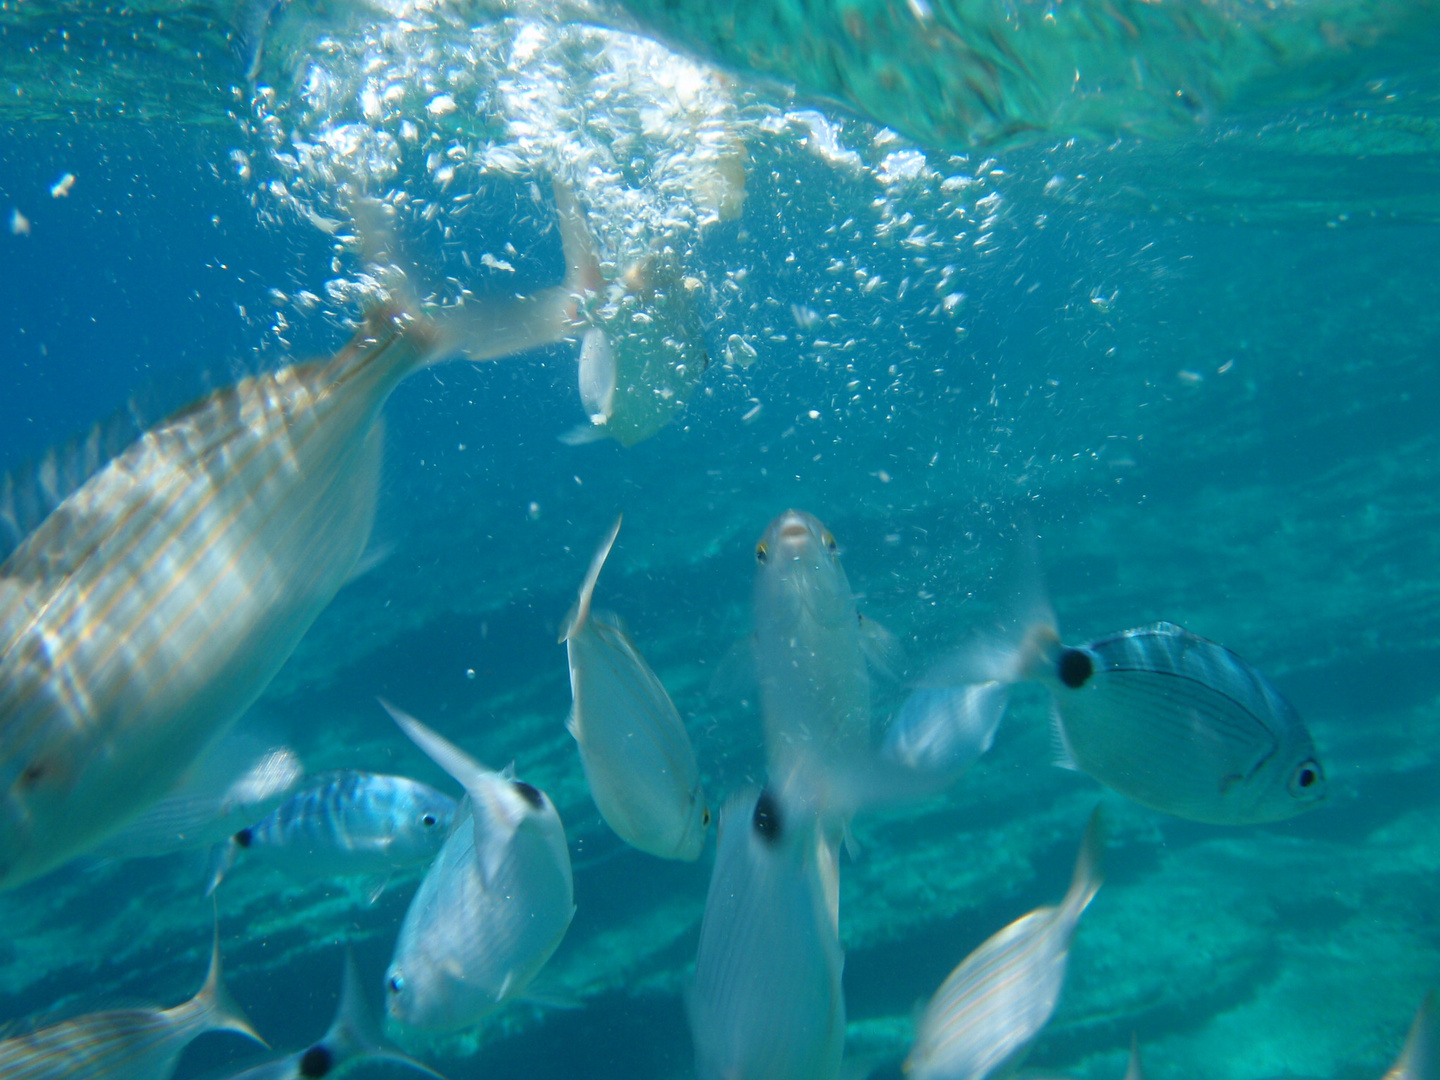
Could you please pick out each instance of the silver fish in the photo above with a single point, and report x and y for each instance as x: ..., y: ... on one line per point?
x: 124, y: 1044
x: 212, y: 801
x: 766, y: 1001
x: 1420, y: 1057
x: 353, y: 1037
x: 636, y: 753
x: 1180, y: 724
x: 1159, y: 714
x: 942, y: 731
x: 493, y: 907
x: 154, y: 604
x: 988, y: 1010
x: 809, y: 659
x: 347, y: 824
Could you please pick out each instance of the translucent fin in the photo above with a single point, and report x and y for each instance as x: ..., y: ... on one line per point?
x: 1020, y: 636
x: 474, y: 778
x: 882, y: 650
x: 1420, y: 1057
x: 1132, y: 1069
x: 582, y: 435
x: 213, y: 1004
x: 222, y: 858
x: 1089, y: 873
x: 1062, y: 755
x: 549, y: 999
x: 375, y: 886
x: 581, y: 612
x: 354, y: 1035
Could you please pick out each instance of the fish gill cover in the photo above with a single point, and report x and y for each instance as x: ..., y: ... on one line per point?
x: 1173, y: 311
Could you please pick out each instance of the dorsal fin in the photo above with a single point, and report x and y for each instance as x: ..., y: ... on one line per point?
x: 580, y: 613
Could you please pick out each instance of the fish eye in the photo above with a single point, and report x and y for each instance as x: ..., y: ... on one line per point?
x: 1305, y: 778
x: 766, y: 818
x: 1075, y: 668
x: 830, y: 544
x: 762, y: 552
x: 317, y: 1061
x: 427, y: 820
x: 529, y: 793
x: 396, y: 983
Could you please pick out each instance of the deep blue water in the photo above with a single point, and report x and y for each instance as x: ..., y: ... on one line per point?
x: 1228, y: 425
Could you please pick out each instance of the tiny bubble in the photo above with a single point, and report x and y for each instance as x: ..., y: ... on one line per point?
x: 470, y: 673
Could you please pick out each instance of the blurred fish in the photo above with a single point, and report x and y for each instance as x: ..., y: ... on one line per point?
x: 1420, y: 1057
x: 124, y: 1044
x: 942, y: 731
x: 353, y: 1037
x: 492, y: 908
x: 988, y: 1010
x: 637, y: 755
x: 154, y: 604
x: 347, y: 824
x: 644, y: 354
x: 809, y: 656
x: 236, y: 782
x: 766, y: 1001
x: 1159, y: 714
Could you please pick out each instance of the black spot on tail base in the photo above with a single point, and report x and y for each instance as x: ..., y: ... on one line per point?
x: 766, y: 819
x: 243, y: 838
x: 529, y: 793
x: 1075, y: 668
x: 317, y: 1061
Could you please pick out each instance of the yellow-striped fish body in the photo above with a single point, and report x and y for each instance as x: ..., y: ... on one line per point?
x: 990, y: 1008
x: 638, y: 759
x: 153, y: 606
x: 124, y: 1044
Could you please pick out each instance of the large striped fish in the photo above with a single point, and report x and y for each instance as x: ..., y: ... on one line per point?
x: 154, y: 604
x: 124, y: 1044
x: 1161, y: 715
x: 990, y: 1008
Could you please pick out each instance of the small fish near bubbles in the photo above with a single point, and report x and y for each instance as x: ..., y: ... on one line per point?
x: 644, y: 353
x: 492, y: 908
x: 125, y: 1044
x: 346, y: 824
x: 986, y: 1013
x: 1163, y: 716
x: 352, y: 1038
x: 155, y: 602
x: 766, y: 1002
x: 638, y: 759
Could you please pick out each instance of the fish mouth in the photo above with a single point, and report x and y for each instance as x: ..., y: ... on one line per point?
x: 794, y: 530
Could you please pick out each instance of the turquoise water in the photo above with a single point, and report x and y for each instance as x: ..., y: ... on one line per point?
x: 1202, y: 373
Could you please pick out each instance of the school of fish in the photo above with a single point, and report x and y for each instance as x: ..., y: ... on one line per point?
x: 142, y: 617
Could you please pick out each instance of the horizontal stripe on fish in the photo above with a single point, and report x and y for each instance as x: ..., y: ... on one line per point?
x: 124, y: 1044
x: 997, y: 1000
x: 156, y: 602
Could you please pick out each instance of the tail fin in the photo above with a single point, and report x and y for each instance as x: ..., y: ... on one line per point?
x: 354, y: 1035
x: 1020, y: 635
x: 1420, y: 1057
x: 488, y: 329
x: 580, y: 613
x: 1132, y: 1069
x: 1089, y: 874
x: 222, y: 858
x: 213, y: 1009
